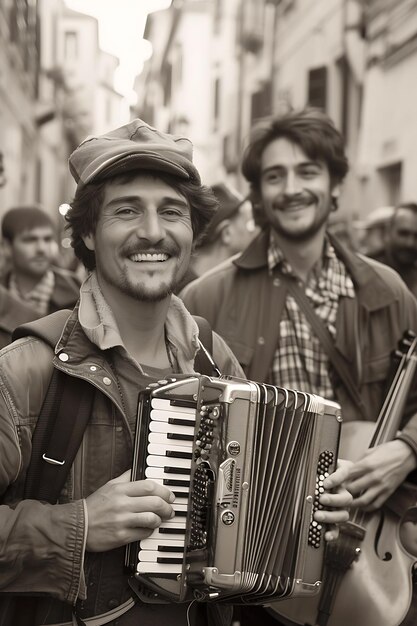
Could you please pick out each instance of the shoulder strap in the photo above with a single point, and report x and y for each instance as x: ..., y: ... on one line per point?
x: 62, y: 420
x: 326, y: 341
x: 204, y: 362
x: 58, y: 434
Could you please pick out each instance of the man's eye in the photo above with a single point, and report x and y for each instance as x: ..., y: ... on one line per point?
x: 273, y: 177
x: 309, y: 173
x: 125, y: 210
x: 171, y: 212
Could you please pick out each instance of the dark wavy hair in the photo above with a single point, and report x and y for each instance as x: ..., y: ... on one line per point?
x: 83, y: 215
x: 312, y: 130
x: 25, y: 217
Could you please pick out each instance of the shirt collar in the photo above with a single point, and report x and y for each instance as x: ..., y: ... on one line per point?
x: 99, y: 324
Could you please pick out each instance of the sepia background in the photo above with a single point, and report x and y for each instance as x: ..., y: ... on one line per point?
x: 209, y: 69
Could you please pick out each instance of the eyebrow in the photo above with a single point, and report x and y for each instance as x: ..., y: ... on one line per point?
x: 280, y: 166
x: 138, y: 200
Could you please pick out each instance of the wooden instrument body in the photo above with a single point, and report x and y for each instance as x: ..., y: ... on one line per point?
x: 377, y: 589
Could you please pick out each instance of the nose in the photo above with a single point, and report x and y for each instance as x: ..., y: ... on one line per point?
x: 42, y: 245
x: 151, y: 227
x: 292, y: 184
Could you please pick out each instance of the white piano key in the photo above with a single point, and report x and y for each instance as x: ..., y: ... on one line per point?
x: 164, y: 404
x: 151, y: 556
x: 178, y: 506
x: 176, y: 488
x: 163, y: 461
x: 161, y: 536
x: 153, y: 544
x: 163, y: 448
x: 158, y: 472
x: 158, y: 568
x: 163, y: 427
x: 164, y: 416
x: 162, y: 439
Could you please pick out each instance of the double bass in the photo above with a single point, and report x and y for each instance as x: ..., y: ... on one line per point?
x: 368, y: 569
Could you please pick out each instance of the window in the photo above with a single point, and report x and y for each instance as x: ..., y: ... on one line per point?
x: 317, y: 88
x: 71, y: 45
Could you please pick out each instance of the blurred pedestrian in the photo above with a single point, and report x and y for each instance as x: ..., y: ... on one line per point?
x: 229, y: 232
x: 400, y: 244
x: 30, y: 243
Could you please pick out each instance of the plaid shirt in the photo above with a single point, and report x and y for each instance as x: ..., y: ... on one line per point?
x: 300, y: 362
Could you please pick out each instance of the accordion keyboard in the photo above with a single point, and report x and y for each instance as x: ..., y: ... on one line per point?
x: 168, y: 462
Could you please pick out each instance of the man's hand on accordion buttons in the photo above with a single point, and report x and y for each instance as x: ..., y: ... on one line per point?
x: 122, y: 511
x: 336, y: 500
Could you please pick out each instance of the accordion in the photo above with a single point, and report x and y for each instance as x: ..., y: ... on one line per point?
x: 246, y: 462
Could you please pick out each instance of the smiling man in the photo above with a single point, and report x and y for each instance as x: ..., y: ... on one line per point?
x: 295, y: 165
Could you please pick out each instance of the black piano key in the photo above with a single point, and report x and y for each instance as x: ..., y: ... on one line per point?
x: 163, y: 559
x: 186, y: 403
x: 180, y: 513
x: 170, y: 548
x: 181, y: 494
x: 177, y: 470
x: 175, y: 483
x: 180, y: 436
x: 171, y: 531
x: 179, y: 421
x: 179, y: 455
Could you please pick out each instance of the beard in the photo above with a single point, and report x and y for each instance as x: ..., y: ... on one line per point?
x: 306, y: 233
x: 142, y: 289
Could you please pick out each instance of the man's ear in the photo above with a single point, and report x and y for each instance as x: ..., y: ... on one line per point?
x: 225, y: 234
x: 89, y: 242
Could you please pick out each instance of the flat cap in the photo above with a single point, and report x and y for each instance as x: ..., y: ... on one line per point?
x: 134, y: 146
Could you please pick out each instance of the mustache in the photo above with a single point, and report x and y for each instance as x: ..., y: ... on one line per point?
x: 284, y: 202
x: 171, y: 249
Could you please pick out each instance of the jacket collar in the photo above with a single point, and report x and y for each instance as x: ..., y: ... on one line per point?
x: 89, y: 332
x: 374, y: 291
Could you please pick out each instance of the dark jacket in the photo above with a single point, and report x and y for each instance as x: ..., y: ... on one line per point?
x: 407, y: 273
x: 66, y: 290
x: 243, y: 302
x: 13, y: 312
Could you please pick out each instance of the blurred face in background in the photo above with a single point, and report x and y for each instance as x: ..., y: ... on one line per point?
x: 31, y: 252
x: 242, y: 228
x: 403, y: 236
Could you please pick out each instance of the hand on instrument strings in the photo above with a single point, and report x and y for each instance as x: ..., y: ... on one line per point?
x: 337, y: 497
x: 378, y: 474
x: 122, y: 511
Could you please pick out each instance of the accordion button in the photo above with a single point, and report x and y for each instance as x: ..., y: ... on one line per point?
x: 107, y: 380
x: 63, y: 356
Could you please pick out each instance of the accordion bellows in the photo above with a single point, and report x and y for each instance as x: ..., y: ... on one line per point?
x: 246, y: 462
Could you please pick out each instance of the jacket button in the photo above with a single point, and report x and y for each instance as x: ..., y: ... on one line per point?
x: 113, y: 603
x: 63, y: 356
x: 93, y: 368
x: 276, y: 282
x: 107, y: 380
x: 261, y: 341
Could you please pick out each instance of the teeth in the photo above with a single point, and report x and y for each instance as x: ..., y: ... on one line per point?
x: 148, y: 257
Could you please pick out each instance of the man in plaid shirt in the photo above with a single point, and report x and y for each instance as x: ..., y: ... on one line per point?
x: 295, y: 165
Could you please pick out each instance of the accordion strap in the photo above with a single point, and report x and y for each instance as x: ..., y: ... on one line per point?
x: 327, y: 343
